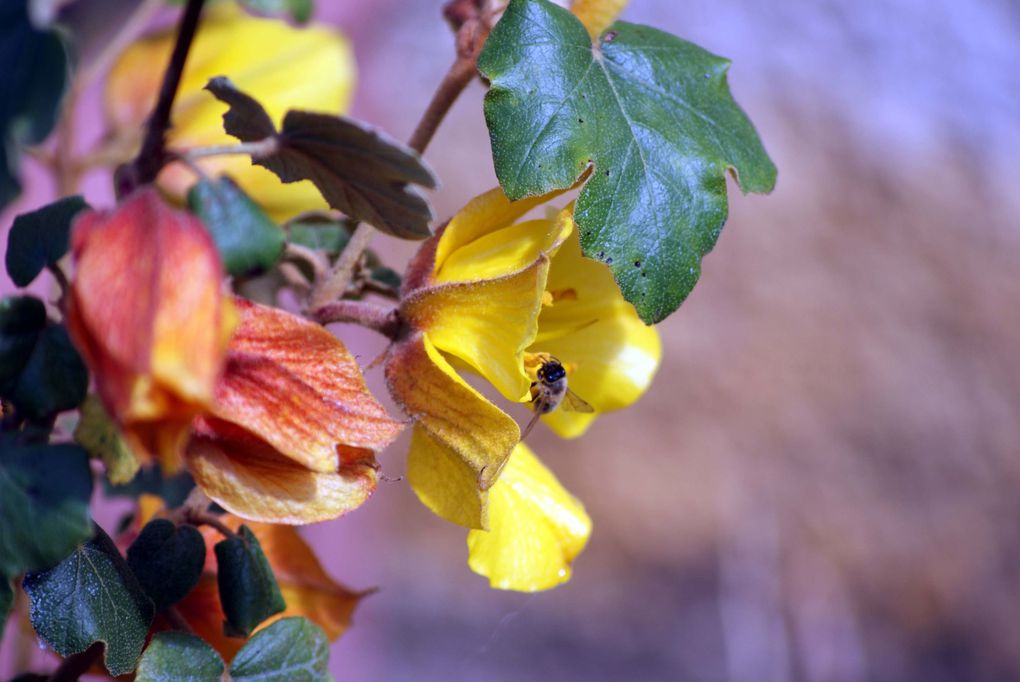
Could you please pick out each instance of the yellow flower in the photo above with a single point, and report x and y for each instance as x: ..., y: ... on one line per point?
x: 536, y: 528
x: 610, y: 355
x: 495, y: 295
x: 472, y: 297
x: 283, y: 67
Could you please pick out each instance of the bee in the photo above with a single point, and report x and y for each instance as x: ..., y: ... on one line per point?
x: 550, y: 391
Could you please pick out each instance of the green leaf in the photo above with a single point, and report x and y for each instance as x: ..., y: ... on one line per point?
x: 358, y: 170
x: 290, y: 650
x: 54, y: 379
x: 44, y: 504
x: 248, y: 241
x: 298, y: 10
x: 386, y: 276
x: 179, y: 657
x: 150, y: 480
x: 91, y: 596
x: 6, y: 603
x: 40, y: 238
x: 97, y: 433
x: 320, y: 232
x: 651, y: 113
x: 32, y: 84
x: 248, y: 590
x: 21, y: 320
x: 167, y: 559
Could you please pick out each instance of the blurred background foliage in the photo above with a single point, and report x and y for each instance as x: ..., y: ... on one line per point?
x: 822, y: 483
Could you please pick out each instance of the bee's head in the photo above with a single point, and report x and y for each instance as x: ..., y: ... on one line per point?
x: 551, y: 371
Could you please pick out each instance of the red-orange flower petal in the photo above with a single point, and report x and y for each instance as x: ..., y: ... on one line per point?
x: 147, y: 312
x: 291, y: 436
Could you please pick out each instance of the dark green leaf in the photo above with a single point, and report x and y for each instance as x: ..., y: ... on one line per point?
x: 44, y: 504
x: 179, y: 657
x: 651, y: 113
x: 32, y: 83
x: 97, y: 433
x: 54, y: 379
x: 91, y: 596
x: 167, y: 559
x: 6, y: 602
x: 248, y: 241
x: 40, y: 238
x: 358, y: 170
x: 319, y: 232
x: 150, y: 480
x: 298, y: 10
x: 248, y: 590
x: 21, y: 320
x: 290, y: 650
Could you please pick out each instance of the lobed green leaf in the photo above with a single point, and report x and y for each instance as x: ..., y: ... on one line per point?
x: 290, y: 650
x: 21, y: 320
x: 358, y: 170
x: 650, y: 114
x: 249, y: 242
x: 167, y: 559
x: 44, y: 504
x: 150, y: 480
x: 98, y: 434
x: 91, y: 596
x: 32, y: 84
x: 248, y: 590
x: 179, y: 657
x: 53, y: 379
x: 40, y: 238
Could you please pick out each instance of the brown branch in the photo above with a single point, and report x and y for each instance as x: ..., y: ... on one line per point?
x: 470, y: 37
x: 379, y: 318
x: 153, y: 155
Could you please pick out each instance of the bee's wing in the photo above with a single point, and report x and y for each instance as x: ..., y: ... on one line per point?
x: 575, y: 403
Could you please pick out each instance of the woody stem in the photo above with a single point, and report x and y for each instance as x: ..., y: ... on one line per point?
x: 153, y: 155
x: 470, y: 38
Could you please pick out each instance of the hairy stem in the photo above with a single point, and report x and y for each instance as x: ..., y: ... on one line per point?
x: 153, y: 155
x: 379, y: 318
x: 257, y: 149
x: 470, y: 38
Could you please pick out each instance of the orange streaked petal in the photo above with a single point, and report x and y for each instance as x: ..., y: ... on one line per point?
x: 294, y: 385
x: 475, y: 434
x: 147, y: 312
x: 251, y: 479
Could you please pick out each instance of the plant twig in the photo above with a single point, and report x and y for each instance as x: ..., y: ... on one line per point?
x: 153, y: 155
x: 470, y: 37
x: 379, y: 318
x: 197, y: 518
x: 257, y: 149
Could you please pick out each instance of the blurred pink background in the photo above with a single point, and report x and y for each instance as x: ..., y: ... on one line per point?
x: 822, y: 484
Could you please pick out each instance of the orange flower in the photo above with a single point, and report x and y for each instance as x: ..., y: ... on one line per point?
x: 292, y: 434
x: 306, y: 587
x: 147, y: 312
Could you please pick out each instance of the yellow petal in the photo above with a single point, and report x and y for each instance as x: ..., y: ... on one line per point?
x: 597, y: 15
x: 611, y: 355
x: 488, y: 320
x: 536, y: 529
x: 253, y: 481
x: 482, y: 215
x: 281, y: 66
x: 469, y: 437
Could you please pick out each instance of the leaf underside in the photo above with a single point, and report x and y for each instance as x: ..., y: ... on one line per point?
x: 358, y: 170
x: 653, y: 117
